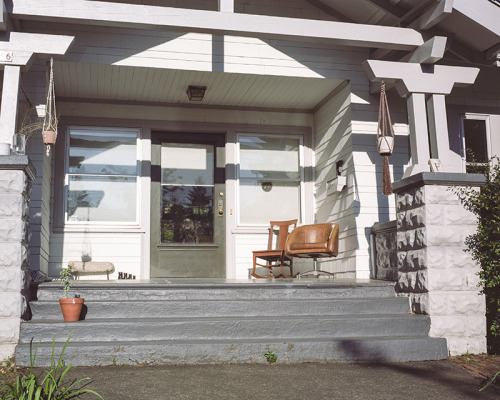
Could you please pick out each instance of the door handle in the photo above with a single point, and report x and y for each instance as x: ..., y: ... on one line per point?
x: 220, y: 205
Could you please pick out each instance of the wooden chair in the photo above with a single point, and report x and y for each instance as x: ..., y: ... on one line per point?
x: 275, y: 257
x: 314, y: 241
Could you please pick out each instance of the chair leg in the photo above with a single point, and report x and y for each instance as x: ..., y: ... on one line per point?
x: 255, y: 266
x: 282, y: 273
x: 315, y: 272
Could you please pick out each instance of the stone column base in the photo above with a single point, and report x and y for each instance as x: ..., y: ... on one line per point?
x: 434, y: 270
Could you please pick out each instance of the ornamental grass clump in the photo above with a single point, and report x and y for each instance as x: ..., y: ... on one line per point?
x: 51, y: 384
x: 484, y: 244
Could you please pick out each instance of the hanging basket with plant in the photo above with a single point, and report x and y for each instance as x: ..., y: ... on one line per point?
x: 49, y: 131
x: 385, y: 140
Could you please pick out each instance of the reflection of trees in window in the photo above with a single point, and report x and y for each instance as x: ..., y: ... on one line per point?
x: 187, y: 213
x: 200, y: 201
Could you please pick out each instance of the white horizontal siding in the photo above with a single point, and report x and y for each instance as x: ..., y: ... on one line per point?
x: 332, y: 142
x: 122, y: 249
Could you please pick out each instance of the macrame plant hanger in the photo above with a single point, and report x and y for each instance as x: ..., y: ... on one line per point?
x: 49, y: 131
x: 385, y: 140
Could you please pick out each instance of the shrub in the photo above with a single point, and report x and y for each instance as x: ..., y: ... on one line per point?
x: 484, y: 244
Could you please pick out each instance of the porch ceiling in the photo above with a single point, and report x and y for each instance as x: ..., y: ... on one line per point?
x: 110, y: 83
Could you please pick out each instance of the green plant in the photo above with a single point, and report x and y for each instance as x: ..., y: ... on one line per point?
x: 271, y: 356
x: 490, y: 381
x: 52, y: 386
x: 67, y: 280
x: 484, y: 244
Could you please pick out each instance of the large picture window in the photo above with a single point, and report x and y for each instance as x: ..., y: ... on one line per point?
x: 101, y: 176
x: 270, y: 178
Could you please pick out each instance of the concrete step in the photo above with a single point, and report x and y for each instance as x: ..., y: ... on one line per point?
x: 180, y: 322
x: 95, y: 309
x: 387, y: 349
x: 251, y: 290
x: 241, y: 328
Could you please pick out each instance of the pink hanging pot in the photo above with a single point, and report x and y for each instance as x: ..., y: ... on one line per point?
x: 49, y: 137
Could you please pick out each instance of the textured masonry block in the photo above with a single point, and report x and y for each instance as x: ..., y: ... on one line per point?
x: 13, y: 181
x: 416, y: 259
x: 7, y: 351
x: 471, y: 345
x: 460, y: 326
x: 447, y: 279
x: 449, y: 257
x: 438, y: 235
x: 440, y: 195
x: 11, y: 279
x: 13, y: 254
x: 9, y: 330
x: 448, y: 303
x: 14, y: 229
x: 10, y: 304
x: 405, y: 240
x: 415, y: 218
x: 12, y: 205
x: 413, y: 281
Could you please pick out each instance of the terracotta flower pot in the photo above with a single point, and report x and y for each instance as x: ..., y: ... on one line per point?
x: 71, y: 308
x: 49, y: 137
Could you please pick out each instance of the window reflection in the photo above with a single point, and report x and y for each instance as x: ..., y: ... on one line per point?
x: 101, y: 175
x: 187, y: 193
x: 269, y: 178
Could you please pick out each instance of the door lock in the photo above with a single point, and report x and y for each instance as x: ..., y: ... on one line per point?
x: 220, y: 204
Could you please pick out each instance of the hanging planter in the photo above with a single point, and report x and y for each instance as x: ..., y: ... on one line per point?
x: 385, y: 140
x: 49, y: 131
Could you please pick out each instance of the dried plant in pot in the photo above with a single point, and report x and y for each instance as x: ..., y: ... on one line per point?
x: 49, y: 132
x: 71, y: 307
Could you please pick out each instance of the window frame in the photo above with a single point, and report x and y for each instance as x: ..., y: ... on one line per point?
x: 479, y: 117
x: 301, y: 180
x: 84, y: 225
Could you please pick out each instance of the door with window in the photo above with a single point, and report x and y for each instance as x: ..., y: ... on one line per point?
x: 187, y: 205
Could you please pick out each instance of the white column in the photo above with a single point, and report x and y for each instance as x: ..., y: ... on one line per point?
x: 10, y: 93
x: 226, y: 6
x: 419, y: 136
x: 438, y: 130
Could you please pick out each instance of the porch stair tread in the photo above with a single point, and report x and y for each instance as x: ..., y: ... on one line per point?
x: 224, y: 340
x: 221, y: 318
x: 388, y: 349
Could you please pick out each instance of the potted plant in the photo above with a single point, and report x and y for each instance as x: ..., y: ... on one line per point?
x: 71, y: 306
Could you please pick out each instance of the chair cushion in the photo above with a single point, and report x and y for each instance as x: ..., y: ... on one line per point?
x: 322, y: 246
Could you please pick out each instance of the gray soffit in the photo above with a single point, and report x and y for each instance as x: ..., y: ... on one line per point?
x: 100, y: 83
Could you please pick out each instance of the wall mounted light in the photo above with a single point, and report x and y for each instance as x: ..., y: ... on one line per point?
x: 196, y: 93
x: 266, y: 186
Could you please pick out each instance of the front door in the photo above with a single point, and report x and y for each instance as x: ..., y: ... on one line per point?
x: 187, y: 205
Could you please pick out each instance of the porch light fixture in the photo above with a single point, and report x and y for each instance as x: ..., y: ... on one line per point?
x: 196, y: 93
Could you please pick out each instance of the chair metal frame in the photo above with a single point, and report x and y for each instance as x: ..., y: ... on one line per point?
x: 314, y: 241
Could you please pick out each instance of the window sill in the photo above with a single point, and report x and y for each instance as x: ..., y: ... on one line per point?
x: 100, y: 229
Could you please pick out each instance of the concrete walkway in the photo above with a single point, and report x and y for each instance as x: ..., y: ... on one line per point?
x: 438, y: 380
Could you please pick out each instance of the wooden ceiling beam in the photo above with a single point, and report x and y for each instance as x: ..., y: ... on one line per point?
x: 214, y: 22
